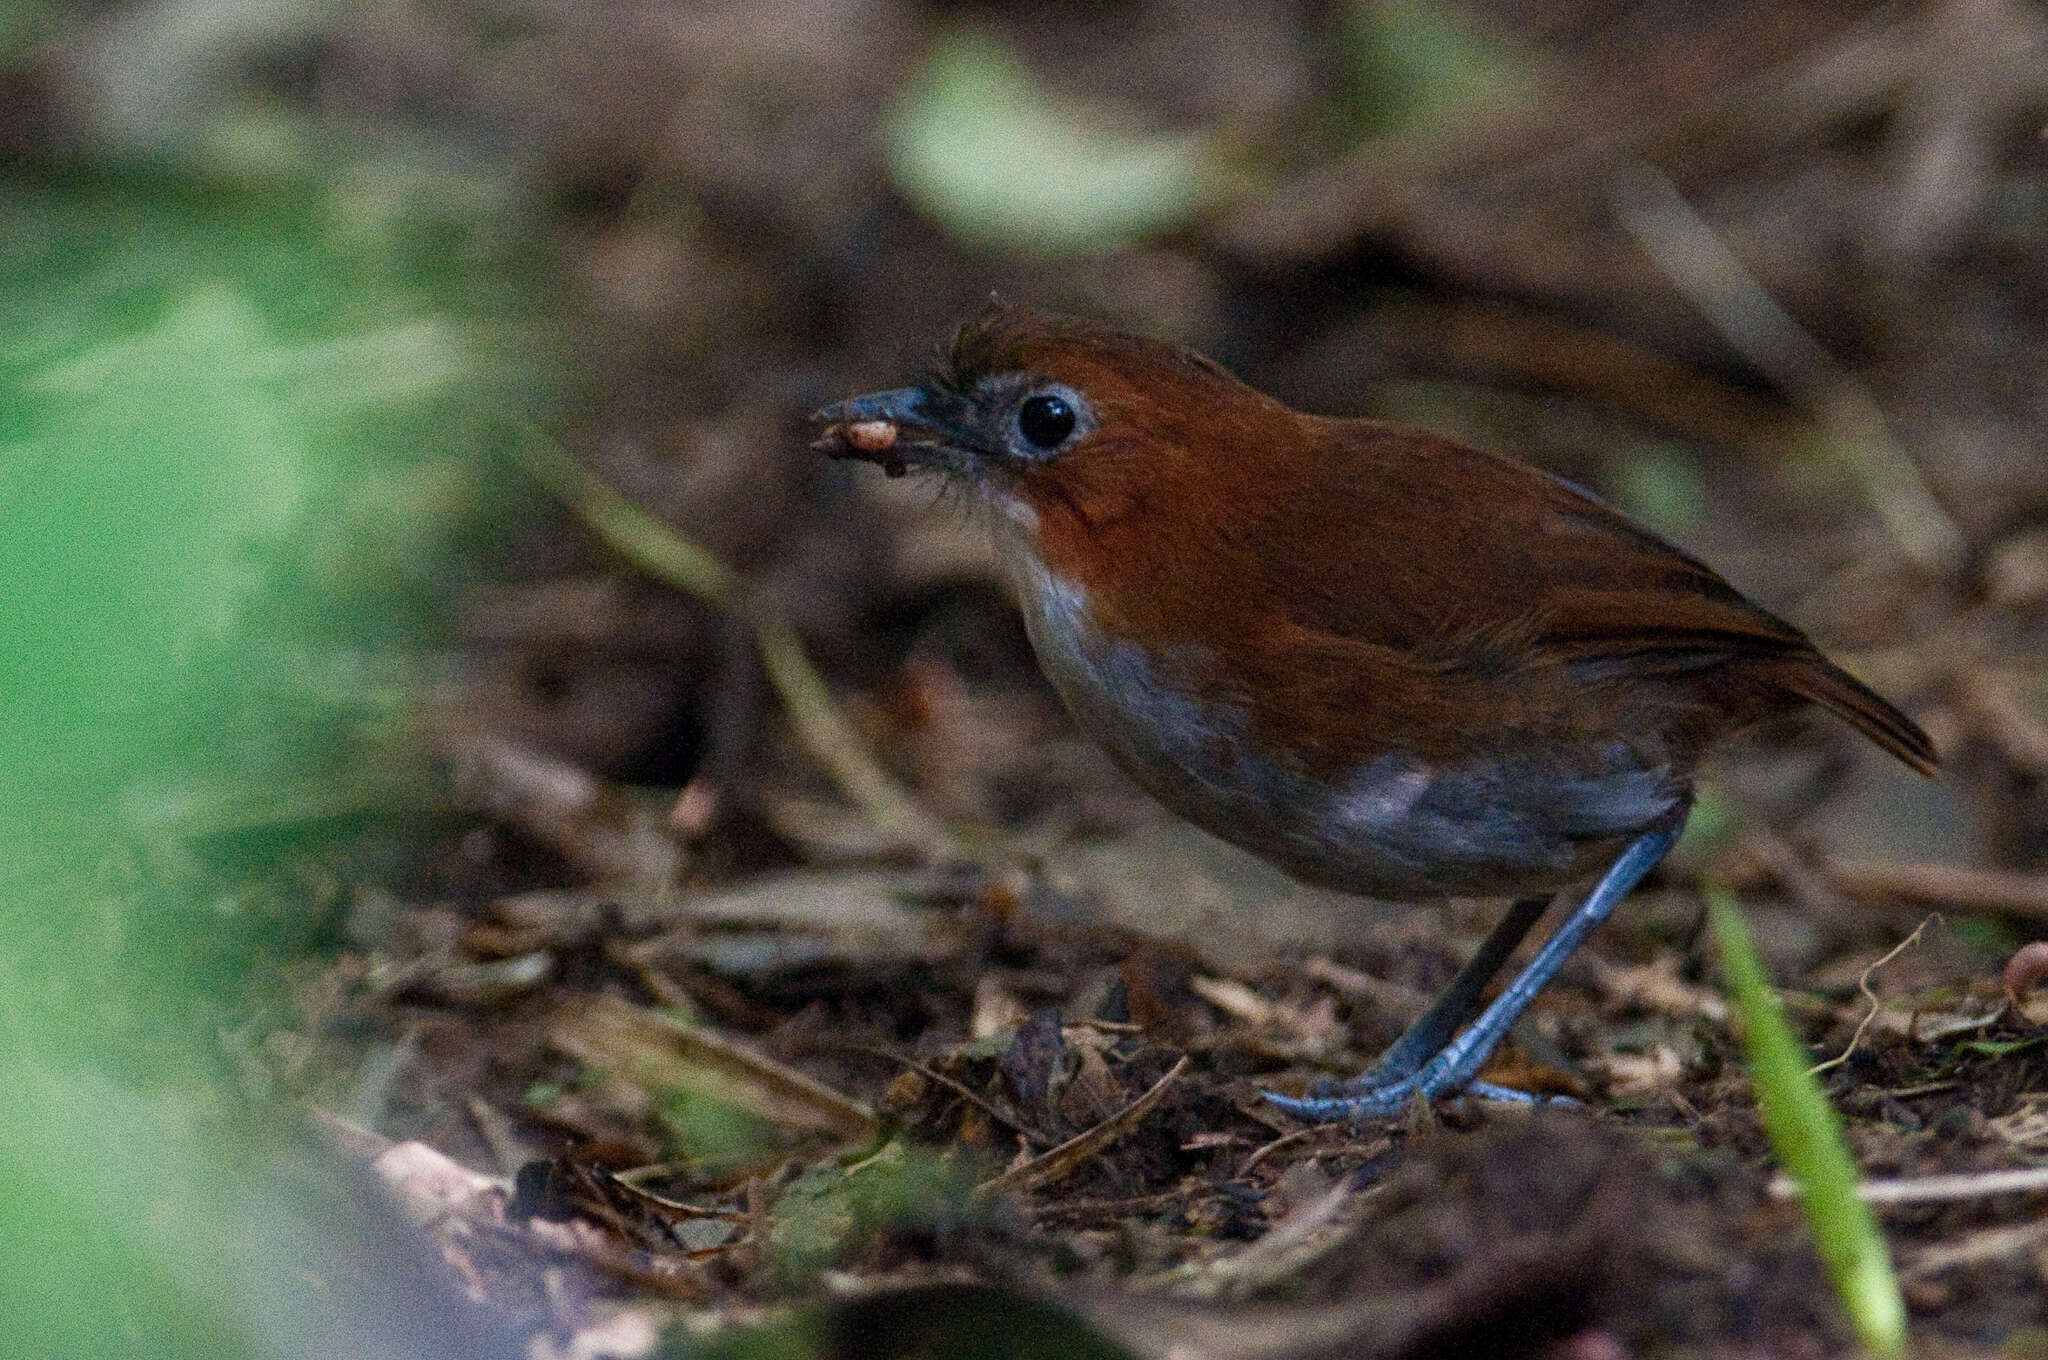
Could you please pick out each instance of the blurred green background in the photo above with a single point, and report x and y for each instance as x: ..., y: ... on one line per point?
x: 251, y: 368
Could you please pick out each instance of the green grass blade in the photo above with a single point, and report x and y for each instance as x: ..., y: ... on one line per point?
x: 1807, y: 1136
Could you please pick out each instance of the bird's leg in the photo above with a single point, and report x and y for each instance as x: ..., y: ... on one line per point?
x: 1453, y: 1066
x: 1455, y: 1005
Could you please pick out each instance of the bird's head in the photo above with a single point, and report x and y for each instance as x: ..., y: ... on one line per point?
x: 1051, y: 418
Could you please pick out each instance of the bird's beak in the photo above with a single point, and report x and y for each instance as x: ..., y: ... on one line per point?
x: 895, y: 430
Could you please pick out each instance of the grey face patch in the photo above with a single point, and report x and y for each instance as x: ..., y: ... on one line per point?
x: 993, y: 424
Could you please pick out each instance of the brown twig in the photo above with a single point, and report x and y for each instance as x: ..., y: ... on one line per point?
x: 1063, y: 1160
x: 1286, y: 1140
x: 1109, y: 1208
x: 1993, y: 705
x: 1987, y: 1244
x: 958, y: 1088
x: 1992, y: 892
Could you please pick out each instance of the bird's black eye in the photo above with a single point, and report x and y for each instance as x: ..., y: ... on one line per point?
x: 1045, y: 420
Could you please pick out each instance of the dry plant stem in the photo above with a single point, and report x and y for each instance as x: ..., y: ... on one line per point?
x: 633, y: 1181
x: 1986, y: 1245
x: 656, y: 1052
x: 508, y: 1150
x: 1796, y: 874
x: 1863, y: 986
x: 564, y: 807
x: 649, y: 544
x: 1994, y: 892
x: 832, y: 742
x: 1936, y: 1189
x: 1731, y: 298
x: 1283, y: 1141
x: 1063, y: 1160
x: 1957, y: 887
x: 1108, y: 1209
x: 1556, y: 355
x: 938, y: 1078
x: 670, y: 557
x: 1394, y: 997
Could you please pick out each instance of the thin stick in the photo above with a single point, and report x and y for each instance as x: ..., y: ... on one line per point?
x: 655, y: 1051
x: 1986, y: 1245
x: 960, y: 1089
x: 1994, y: 892
x: 1286, y: 1140
x: 642, y: 539
x: 1107, y: 1208
x: 1750, y: 319
x: 831, y: 740
x: 675, y: 560
x: 1936, y: 1189
x: 1063, y: 1160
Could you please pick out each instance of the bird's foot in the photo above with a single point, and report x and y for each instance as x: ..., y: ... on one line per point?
x: 1373, y: 1096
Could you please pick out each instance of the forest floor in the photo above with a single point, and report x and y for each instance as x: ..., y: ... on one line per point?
x: 674, y: 1030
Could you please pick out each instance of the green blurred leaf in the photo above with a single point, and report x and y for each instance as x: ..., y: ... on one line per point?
x: 161, y: 460
x: 2000, y: 1048
x: 975, y: 141
x: 1807, y: 1137
x: 1662, y: 486
x: 1987, y: 935
x: 237, y: 467
x: 1712, y: 824
x: 710, y: 1134
x: 25, y: 25
x: 1420, y: 64
x: 831, y: 1210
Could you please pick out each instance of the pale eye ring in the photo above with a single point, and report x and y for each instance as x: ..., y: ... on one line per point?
x: 1046, y: 420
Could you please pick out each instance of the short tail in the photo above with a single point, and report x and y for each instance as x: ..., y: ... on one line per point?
x: 1865, y: 709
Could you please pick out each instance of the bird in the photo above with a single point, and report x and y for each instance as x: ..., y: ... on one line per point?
x: 1383, y: 661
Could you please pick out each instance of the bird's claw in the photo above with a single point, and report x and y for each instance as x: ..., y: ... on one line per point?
x: 1370, y: 1097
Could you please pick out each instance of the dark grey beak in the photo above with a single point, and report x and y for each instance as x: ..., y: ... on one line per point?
x: 895, y: 430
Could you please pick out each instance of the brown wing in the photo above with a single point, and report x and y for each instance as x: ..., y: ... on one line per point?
x: 1444, y: 544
